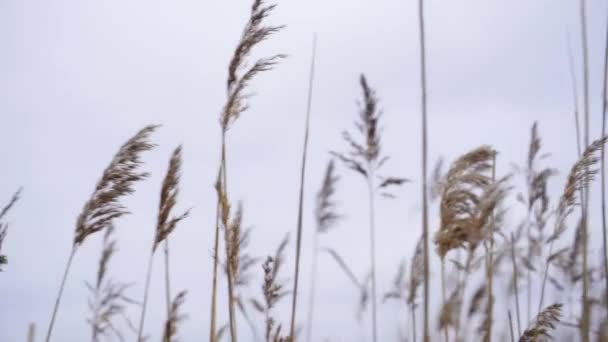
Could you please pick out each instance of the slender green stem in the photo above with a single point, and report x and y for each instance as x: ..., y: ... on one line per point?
x: 68, y: 265
x: 294, y: 301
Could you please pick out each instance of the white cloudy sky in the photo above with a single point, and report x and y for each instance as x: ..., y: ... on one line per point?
x: 77, y: 78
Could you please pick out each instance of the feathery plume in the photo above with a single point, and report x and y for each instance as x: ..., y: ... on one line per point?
x: 117, y: 181
x: 543, y: 324
x: 174, y: 318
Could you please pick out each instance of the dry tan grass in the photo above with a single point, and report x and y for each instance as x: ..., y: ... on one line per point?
x: 165, y: 225
x: 103, y: 207
x: 546, y: 321
x: 108, y: 301
x: 239, y: 78
x: 174, y: 317
x: 365, y: 157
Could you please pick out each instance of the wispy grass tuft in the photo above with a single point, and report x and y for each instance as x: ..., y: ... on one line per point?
x: 366, y: 159
x: 174, y: 317
x: 326, y: 218
x: 240, y: 75
x: 108, y: 297
x: 166, y: 223
x: 543, y: 324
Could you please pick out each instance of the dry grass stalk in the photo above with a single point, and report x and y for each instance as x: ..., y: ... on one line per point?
x: 468, y: 202
x: 272, y: 291
x: 166, y: 225
x: 511, y: 327
x: 4, y: 226
x: 603, y: 170
x: 585, y: 315
x: 486, y: 328
x: 515, y: 276
x: 238, y: 261
x: 469, y: 199
x: 581, y: 174
x: 301, y: 195
x: 543, y: 324
x: 238, y: 81
x: 213, y: 334
x: 326, y: 218
x: 537, y: 205
x: 104, y: 205
x: 166, y: 222
x: 108, y: 298
x: 366, y: 159
x: 424, y: 145
x: 174, y: 317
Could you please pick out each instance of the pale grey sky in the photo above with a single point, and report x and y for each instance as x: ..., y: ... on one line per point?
x: 78, y: 78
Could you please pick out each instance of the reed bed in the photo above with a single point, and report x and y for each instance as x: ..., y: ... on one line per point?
x: 490, y: 231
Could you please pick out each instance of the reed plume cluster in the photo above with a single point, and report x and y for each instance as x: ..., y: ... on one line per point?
x: 474, y: 241
x: 165, y: 225
x: 104, y: 207
x: 365, y: 157
x: 174, y: 317
x: 240, y: 75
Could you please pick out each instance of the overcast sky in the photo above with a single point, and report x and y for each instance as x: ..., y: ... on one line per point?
x: 78, y: 78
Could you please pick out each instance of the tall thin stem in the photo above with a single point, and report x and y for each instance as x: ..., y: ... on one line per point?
x: 372, y: 242
x: 443, y: 296
x: 603, y: 157
x: 313, y: 281
x: 413, y: 311
x: 574, y: 99
x: 167, y: 277
x: 490, y: 266
x: 68, y: 265
x: 215, y: 270
x: 515, y: 284
x: 294, y: 301
x: 231, y: 312
x: 511, y: 327
x: 585, y: 304
x: 425, y: 227
x: 142, y: 318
